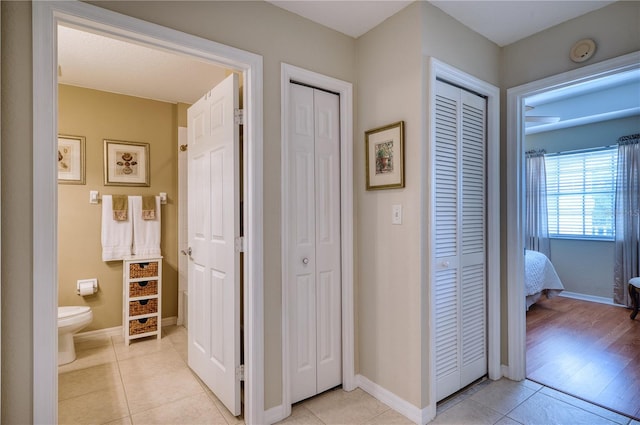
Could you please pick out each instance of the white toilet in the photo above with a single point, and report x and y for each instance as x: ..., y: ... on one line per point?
x: 70, y: 320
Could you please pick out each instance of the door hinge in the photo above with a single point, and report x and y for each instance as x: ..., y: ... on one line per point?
x: 240, y: 244
x: 240, y: 372
x: 238, y: 116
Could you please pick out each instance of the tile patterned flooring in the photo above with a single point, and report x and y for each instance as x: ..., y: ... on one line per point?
x: 110, y: 383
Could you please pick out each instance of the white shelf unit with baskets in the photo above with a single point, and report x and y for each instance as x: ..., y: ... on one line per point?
x: 142, y: 298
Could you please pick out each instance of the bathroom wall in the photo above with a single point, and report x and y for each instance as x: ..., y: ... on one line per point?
x: 98, y: 115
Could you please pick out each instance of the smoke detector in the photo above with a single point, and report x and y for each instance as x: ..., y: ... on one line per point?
x: 582, y: 50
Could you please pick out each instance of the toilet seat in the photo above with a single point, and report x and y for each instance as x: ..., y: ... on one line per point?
x: 70, y: 314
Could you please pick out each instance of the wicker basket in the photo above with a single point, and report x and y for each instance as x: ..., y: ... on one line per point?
x: 143, y: 288
x: 137, y: 308
x: 138, y: 270
x: 141, y: 326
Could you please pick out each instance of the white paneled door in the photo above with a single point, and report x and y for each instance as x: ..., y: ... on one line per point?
x: 214, y: 227
x: 314, y: 276
x: 460, y: 238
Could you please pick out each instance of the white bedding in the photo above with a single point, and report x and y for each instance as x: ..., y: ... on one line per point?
x: 540, y: 277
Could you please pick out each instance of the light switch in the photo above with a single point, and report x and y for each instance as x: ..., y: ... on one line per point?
x: 396, y: 214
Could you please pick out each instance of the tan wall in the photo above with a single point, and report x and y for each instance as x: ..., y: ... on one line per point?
x: 98, y: 115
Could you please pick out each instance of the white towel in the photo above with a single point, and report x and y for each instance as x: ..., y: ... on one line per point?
x: 117, y: 236
x: 146, y: 233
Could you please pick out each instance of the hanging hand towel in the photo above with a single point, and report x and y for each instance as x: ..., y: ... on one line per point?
x: 120, y: 206
x: 117, y: 236
x: 148, y: 207
x: 146, y: 233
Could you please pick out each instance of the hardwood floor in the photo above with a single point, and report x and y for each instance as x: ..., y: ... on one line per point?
x: 588, y: 350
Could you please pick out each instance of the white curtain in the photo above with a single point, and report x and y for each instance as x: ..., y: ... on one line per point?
x: 537, y: 225
x: 627, y: 217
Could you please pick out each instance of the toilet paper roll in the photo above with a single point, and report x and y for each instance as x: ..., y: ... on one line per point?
x: 86, y: 288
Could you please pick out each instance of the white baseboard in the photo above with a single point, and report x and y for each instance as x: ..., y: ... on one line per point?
x: 115, y: 331
x: 106, y: 332
x: 585, y: 297
x: 273, y: 415
x: 506, y: 371
x: 413, y: 413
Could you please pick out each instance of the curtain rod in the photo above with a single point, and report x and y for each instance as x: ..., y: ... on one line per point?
x: 629, y: 138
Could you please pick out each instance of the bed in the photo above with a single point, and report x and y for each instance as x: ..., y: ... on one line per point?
x: 540, y: 277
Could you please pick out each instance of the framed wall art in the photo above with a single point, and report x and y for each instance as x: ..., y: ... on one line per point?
x: 71, y: 159
x: 384, y: 155
x: 126, y: 163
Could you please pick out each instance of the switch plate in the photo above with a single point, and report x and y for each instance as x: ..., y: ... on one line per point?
x: 396, y: 214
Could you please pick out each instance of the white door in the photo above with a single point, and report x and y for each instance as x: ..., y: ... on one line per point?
x: 314, y: 275
x: 214, y: 225
x: 460, y: 239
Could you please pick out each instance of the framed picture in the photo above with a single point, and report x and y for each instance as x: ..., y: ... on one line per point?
x: 384, y: 152
x: 71, y: 159
x: 126, y: 163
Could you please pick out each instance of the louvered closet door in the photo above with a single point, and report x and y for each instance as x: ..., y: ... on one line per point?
x: 460, y: 239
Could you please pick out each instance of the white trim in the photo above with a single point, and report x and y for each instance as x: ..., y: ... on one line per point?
x: 345, y: 90
x: 446, y: 72
x: 275, y: 414
x: 46, y: 16
x: 116, y: 330
x: 183, y: 237
x: 99, y: 333
x: 590, y: 298
x: 400, y: 405
x: 516, y: 96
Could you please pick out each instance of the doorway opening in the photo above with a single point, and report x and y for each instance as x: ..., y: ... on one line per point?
x: 586, y: 129
x: 516, y: 112
x: 47, y: 16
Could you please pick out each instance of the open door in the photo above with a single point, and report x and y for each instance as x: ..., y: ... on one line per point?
x: 214, y: 227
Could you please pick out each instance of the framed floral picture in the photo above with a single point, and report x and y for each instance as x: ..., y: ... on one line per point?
x: 384, y: 155
x: 71, y: 159
x: 126, y: 163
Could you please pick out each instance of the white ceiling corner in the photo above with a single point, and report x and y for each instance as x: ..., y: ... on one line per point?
x: 351, y: 17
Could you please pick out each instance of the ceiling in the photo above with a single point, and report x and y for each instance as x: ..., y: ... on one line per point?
x: 102, y: 63
x: 503, y: 22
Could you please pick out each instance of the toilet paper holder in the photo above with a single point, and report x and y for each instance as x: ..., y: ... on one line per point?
x: 86, y: 287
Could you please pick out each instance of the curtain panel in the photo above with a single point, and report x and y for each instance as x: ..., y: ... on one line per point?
x: 537, y: 225
x: 627, y: 217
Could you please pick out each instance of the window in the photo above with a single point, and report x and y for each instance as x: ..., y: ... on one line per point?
x: 581, y: 189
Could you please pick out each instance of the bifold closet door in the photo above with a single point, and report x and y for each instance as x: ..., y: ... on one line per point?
x: 314, y: 279
x: 460, y: 239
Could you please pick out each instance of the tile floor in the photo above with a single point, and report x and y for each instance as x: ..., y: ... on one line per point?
x: 110, y: 383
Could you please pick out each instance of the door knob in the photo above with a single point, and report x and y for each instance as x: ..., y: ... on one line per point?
x: 305, y: 261
x: 187, y: 252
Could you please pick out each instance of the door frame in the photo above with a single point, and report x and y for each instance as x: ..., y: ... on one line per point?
x: 45, y: 18
x: 516, y: 96
x: 345, y: 91
x: 440, y: 70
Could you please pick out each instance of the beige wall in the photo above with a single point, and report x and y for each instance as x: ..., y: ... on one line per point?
x: 614, y: 28
x: 17, y: 290
x: 388, y: 256
x: 98, y: 115
x: 392, y: 303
